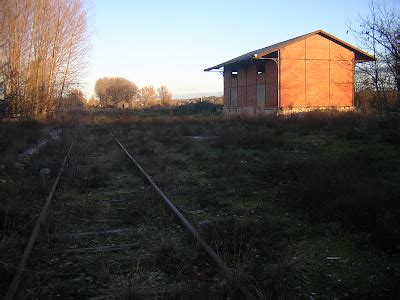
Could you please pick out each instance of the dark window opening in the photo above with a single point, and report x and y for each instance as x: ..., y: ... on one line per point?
x: 234, y: 74
x: 260, y: 69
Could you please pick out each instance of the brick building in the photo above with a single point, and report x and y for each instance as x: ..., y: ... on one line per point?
x: 123, y: 104
x: 312, y: 71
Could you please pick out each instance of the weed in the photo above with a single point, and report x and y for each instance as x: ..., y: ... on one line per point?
x: 171, y: 258
x: 16, y: 136
x: 197, y: 108
x: 247, y: 138
x: 96, y: 177
x: 348, y: 189
x: 135, y: 287
x: 392, y: 136
x: 280, y: 194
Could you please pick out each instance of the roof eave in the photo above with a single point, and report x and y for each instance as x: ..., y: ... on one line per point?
x: 368, y: 56
x: 365, y: 56
x: 217, y: 67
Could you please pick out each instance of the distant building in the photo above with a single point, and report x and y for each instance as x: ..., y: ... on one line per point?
x: 123, y: 104
x: 312, y: 71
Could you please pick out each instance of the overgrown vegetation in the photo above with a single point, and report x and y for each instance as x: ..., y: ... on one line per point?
x: 278, y: 195
x: 196, y: 108
x: 22, y: 189
x: 299, y: 206
x: 15, y: 136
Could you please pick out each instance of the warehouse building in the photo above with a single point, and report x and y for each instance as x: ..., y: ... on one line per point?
x: 308, y: 72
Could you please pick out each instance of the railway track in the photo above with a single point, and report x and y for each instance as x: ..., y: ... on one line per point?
x: 36, y: 230
x: 112, y: 237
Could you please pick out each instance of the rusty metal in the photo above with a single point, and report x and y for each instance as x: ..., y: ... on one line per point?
x: 35, y: 233
x: 185, y: 223
x: 195, y: 234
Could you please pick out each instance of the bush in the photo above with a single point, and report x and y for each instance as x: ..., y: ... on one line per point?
x: 172, y: 258
x: 197, y: 108
x: 348, y: 189
x: 15, y: 136
x: 247, y: 137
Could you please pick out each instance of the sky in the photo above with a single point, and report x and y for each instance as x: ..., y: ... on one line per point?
x: 171, y: 42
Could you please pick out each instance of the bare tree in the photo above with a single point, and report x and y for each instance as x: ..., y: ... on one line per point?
x: 379, y: 33
x: 45, y: 43
x: 92, y: 102
x: 148, y: 95
x: 164, y: 95
x: 73, y: 100
x: 112, y: 90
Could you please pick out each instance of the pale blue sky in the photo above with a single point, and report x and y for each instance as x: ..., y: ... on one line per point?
x: 171, y: 42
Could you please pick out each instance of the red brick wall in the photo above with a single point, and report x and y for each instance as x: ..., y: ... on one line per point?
x: 246, y: 82
x: 251, y: 75
x: 227, y: 88
x: 260, y: 78
x: 316, y: 72
x: 242, y: 95
x: 242, y: 87
x: 313, y: 72
x: 251, y: 89
x: 234, y: 82
x: 292, y: 75
x: 227, y: 97
x: 241, y: 77
x: 271, y: 84
x: 227, y: 79
x: 251, y: 95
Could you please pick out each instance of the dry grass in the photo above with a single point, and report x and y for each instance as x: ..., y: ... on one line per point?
x: 22, y: 192
x: 281, y: 193
x: 268, y: 183
x: 135, y: 286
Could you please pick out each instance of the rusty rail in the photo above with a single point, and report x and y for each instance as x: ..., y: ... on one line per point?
x: 35, y: 233
x: 185, y: 223
x: 195, y: 234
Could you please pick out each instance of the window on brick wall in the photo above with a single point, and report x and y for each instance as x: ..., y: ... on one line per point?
x: 260, y: 69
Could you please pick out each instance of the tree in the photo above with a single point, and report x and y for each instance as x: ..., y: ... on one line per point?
x: 44, y: 48
x: 148, y: 95
x: 112, y: 90
x: 73, y: 100
x: 379, y: 33
x: 92, y: 102
x: 164, y: 95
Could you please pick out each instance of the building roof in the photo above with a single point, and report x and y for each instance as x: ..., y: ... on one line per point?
x: 361, y: 56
